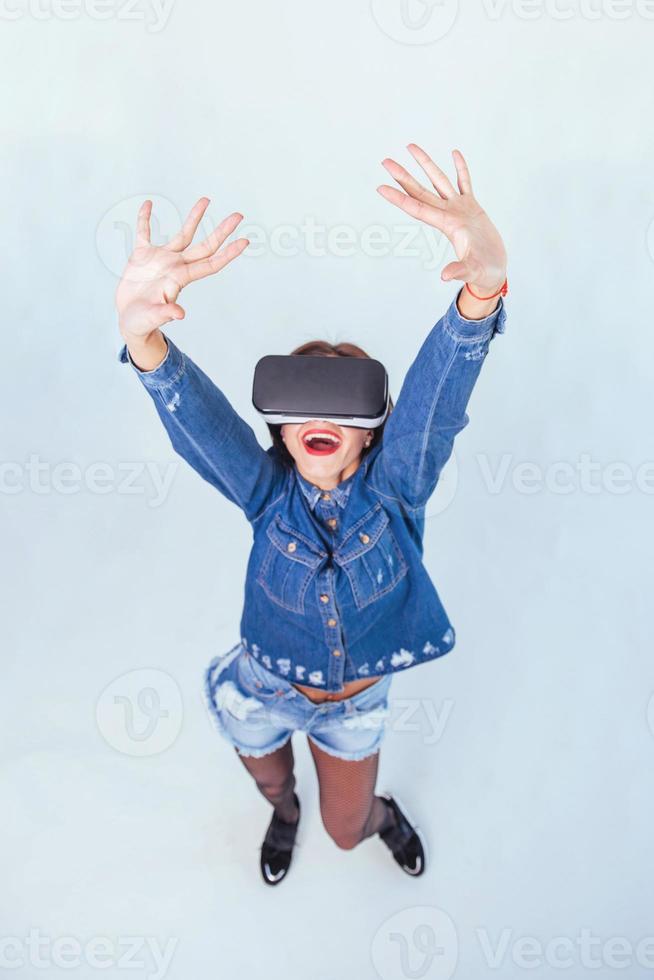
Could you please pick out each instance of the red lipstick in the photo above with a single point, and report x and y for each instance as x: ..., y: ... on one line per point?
x: 320, y: 442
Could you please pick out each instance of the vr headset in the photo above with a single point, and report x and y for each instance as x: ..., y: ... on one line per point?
x: 350, y: 391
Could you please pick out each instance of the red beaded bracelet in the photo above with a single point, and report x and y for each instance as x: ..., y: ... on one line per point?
x: 501, y: 292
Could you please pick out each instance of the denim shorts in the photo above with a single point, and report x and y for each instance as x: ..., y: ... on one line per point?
x: 258, y: 712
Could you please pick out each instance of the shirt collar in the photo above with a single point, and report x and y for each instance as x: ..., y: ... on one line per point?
x: 313, y: 493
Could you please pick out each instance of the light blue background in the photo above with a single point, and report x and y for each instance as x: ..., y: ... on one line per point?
x: 537, y: 796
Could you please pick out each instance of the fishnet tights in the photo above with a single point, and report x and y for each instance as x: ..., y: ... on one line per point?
x: 349, y: 808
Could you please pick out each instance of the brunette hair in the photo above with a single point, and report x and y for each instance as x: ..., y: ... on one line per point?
x: 322, y: 348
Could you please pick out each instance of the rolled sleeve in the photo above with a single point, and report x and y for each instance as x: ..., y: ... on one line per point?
x: 460, y: 328
x: 167, y: 373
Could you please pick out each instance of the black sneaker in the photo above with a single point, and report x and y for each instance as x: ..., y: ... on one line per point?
x: 277, y: 848
x: 403, y: 841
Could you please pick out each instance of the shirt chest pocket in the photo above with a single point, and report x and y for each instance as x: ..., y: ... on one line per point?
x: 371, y: 558
x: 290, y: 562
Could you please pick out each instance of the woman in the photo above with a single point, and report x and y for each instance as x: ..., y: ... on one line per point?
x: 336, y: 598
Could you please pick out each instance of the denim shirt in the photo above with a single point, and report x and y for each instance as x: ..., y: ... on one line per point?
x: 336, y: 589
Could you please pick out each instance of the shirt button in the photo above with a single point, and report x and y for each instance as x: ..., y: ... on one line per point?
x: 337, y: 653
x: 332, y: 522
x: 326, y: 496
x: 324, y: 598
x: 365, y: 538
x: 331, y: 622
x: 291, y: 546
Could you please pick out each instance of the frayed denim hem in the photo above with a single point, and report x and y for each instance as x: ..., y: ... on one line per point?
x: 259, y: 753
x: 347, y: 756
x: 210, y: 686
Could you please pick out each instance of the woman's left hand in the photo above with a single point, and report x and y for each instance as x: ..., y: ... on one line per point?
x: 458, y: 215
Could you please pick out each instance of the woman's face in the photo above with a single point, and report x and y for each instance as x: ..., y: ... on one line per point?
x: 325, y: 453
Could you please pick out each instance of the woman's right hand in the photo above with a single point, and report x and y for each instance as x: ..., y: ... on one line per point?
x: 155, y: 275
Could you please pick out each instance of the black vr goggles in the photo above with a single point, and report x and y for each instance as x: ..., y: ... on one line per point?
x: 300, y: 387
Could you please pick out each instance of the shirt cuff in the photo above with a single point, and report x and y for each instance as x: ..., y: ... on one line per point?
x: 167, y: 373
x: 464, y: 329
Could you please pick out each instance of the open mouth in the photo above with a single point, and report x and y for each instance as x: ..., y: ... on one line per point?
x: 320, y: 442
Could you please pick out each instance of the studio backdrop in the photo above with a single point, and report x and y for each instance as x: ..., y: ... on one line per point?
x: 129, y: 831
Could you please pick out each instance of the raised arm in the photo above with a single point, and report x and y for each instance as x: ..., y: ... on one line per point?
x: 203, y: 427
x: 431, y: 408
